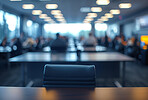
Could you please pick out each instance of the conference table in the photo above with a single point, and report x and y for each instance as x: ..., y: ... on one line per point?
x: 108, y: 64
x: 80, y: 47
x: 23, y: 93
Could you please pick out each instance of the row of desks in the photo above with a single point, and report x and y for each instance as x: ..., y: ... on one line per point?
x: 14, y: 93
x: 108, y: 64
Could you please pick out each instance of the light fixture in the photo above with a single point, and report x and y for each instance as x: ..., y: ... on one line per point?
x: 105, y: 19
x: 89, y: 19
x: 43, y: 16
x: 96, y: 9
x: 92, y: 15
x: 51, y: 6
x: 102, y: 2
x: 59, y: 16
x: 36, y: 12
x: 108, y: 15
x: 55, y: 12
x: 47, y: 20
x: 98, y: 21
x: 115, y: 11
x: 15, y: 0
x: 125, y: 5
x: 61, y: 19
x: 28, y: 6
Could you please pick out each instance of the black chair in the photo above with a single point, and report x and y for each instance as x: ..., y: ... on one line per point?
x: 69, y: 76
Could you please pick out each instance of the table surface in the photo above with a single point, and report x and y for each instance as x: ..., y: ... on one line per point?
x: 70, y: 57
x: 22, y: 93
x: 83, y: 49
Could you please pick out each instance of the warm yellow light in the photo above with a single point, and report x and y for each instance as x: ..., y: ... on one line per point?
x: 36, y: 12
x: 108, y: 15
x: 55, y: 12
x: 15, y: 0
x: 125, y: 5
x: 86, y: 22
x: 47, y: 20
x: 59, y: 16
x: 96, y: 9
x: 115, y: 11
x: 61, y: 19
x: 92, y: 15
x: 28, y: 6
x: 105, y: 19
x: 43, y: 16
x: 51, y: 6
x: 98, y: 21
x: 102, y: 2
x: 89, y: 19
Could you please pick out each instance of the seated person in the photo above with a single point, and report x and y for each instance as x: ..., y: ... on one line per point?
x: 58, y: 44
x: 90, y: 41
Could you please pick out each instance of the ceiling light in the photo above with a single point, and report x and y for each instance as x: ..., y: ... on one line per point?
x: 115, y: 11
x: 105, y: 19
x: 96, y: 9
x: 58, y: 16
x: 102, y: 2
x: 15, y: 0
x: 28, y: 6
x: 125, y: 5
x: 55, y: 12
x: 61, y: 19
x: 43, y: 16
x: 92, y: 15
x: 86, y: 22
x: 51, y: 6
x: 108, y: 15
x: 98, y: 21
x: 89, y: 19
x: 47, y: 20
x: 36, y: 12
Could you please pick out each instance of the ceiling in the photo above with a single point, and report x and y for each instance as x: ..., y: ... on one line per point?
x: 71, y: 8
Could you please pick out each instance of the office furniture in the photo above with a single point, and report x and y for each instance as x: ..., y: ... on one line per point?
x: 69, y: 75
x: 22, y: 93
x: 107, y: 63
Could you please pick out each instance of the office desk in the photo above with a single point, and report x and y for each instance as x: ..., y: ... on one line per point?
x: 21, y: 93
x: 107, y: 63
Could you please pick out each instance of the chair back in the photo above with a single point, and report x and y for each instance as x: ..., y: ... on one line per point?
x: 69, y: 76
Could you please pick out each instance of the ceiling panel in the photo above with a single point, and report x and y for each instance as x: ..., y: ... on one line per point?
x: 71, y: 8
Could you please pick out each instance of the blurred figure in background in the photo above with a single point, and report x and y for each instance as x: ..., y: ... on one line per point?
x: 90, y: 41
x: 30, y: 44
x: 4, y: 42
x: 58, y: 44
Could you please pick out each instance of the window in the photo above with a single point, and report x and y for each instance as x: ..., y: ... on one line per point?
x: 1, y: 26
x: 100, y: 29
x: 73, y: 30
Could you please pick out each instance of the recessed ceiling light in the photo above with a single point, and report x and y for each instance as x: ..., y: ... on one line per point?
x: 125, y: 5
x: 36, y: 12
x: 28, y: 6
x: 92, y: 14
x: 104, y: 19
x: 98, y: 21
x: 51, y: 6
x: 102, y: 2
x: 61, y: 19
x: 89, y: 19
x: 15, y: 0
x: 108, y: 15
x: 96, y: 9
x: 115, y: 11
x: 43, y: 16
x: 55, y: 12
x: 58, y: 16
